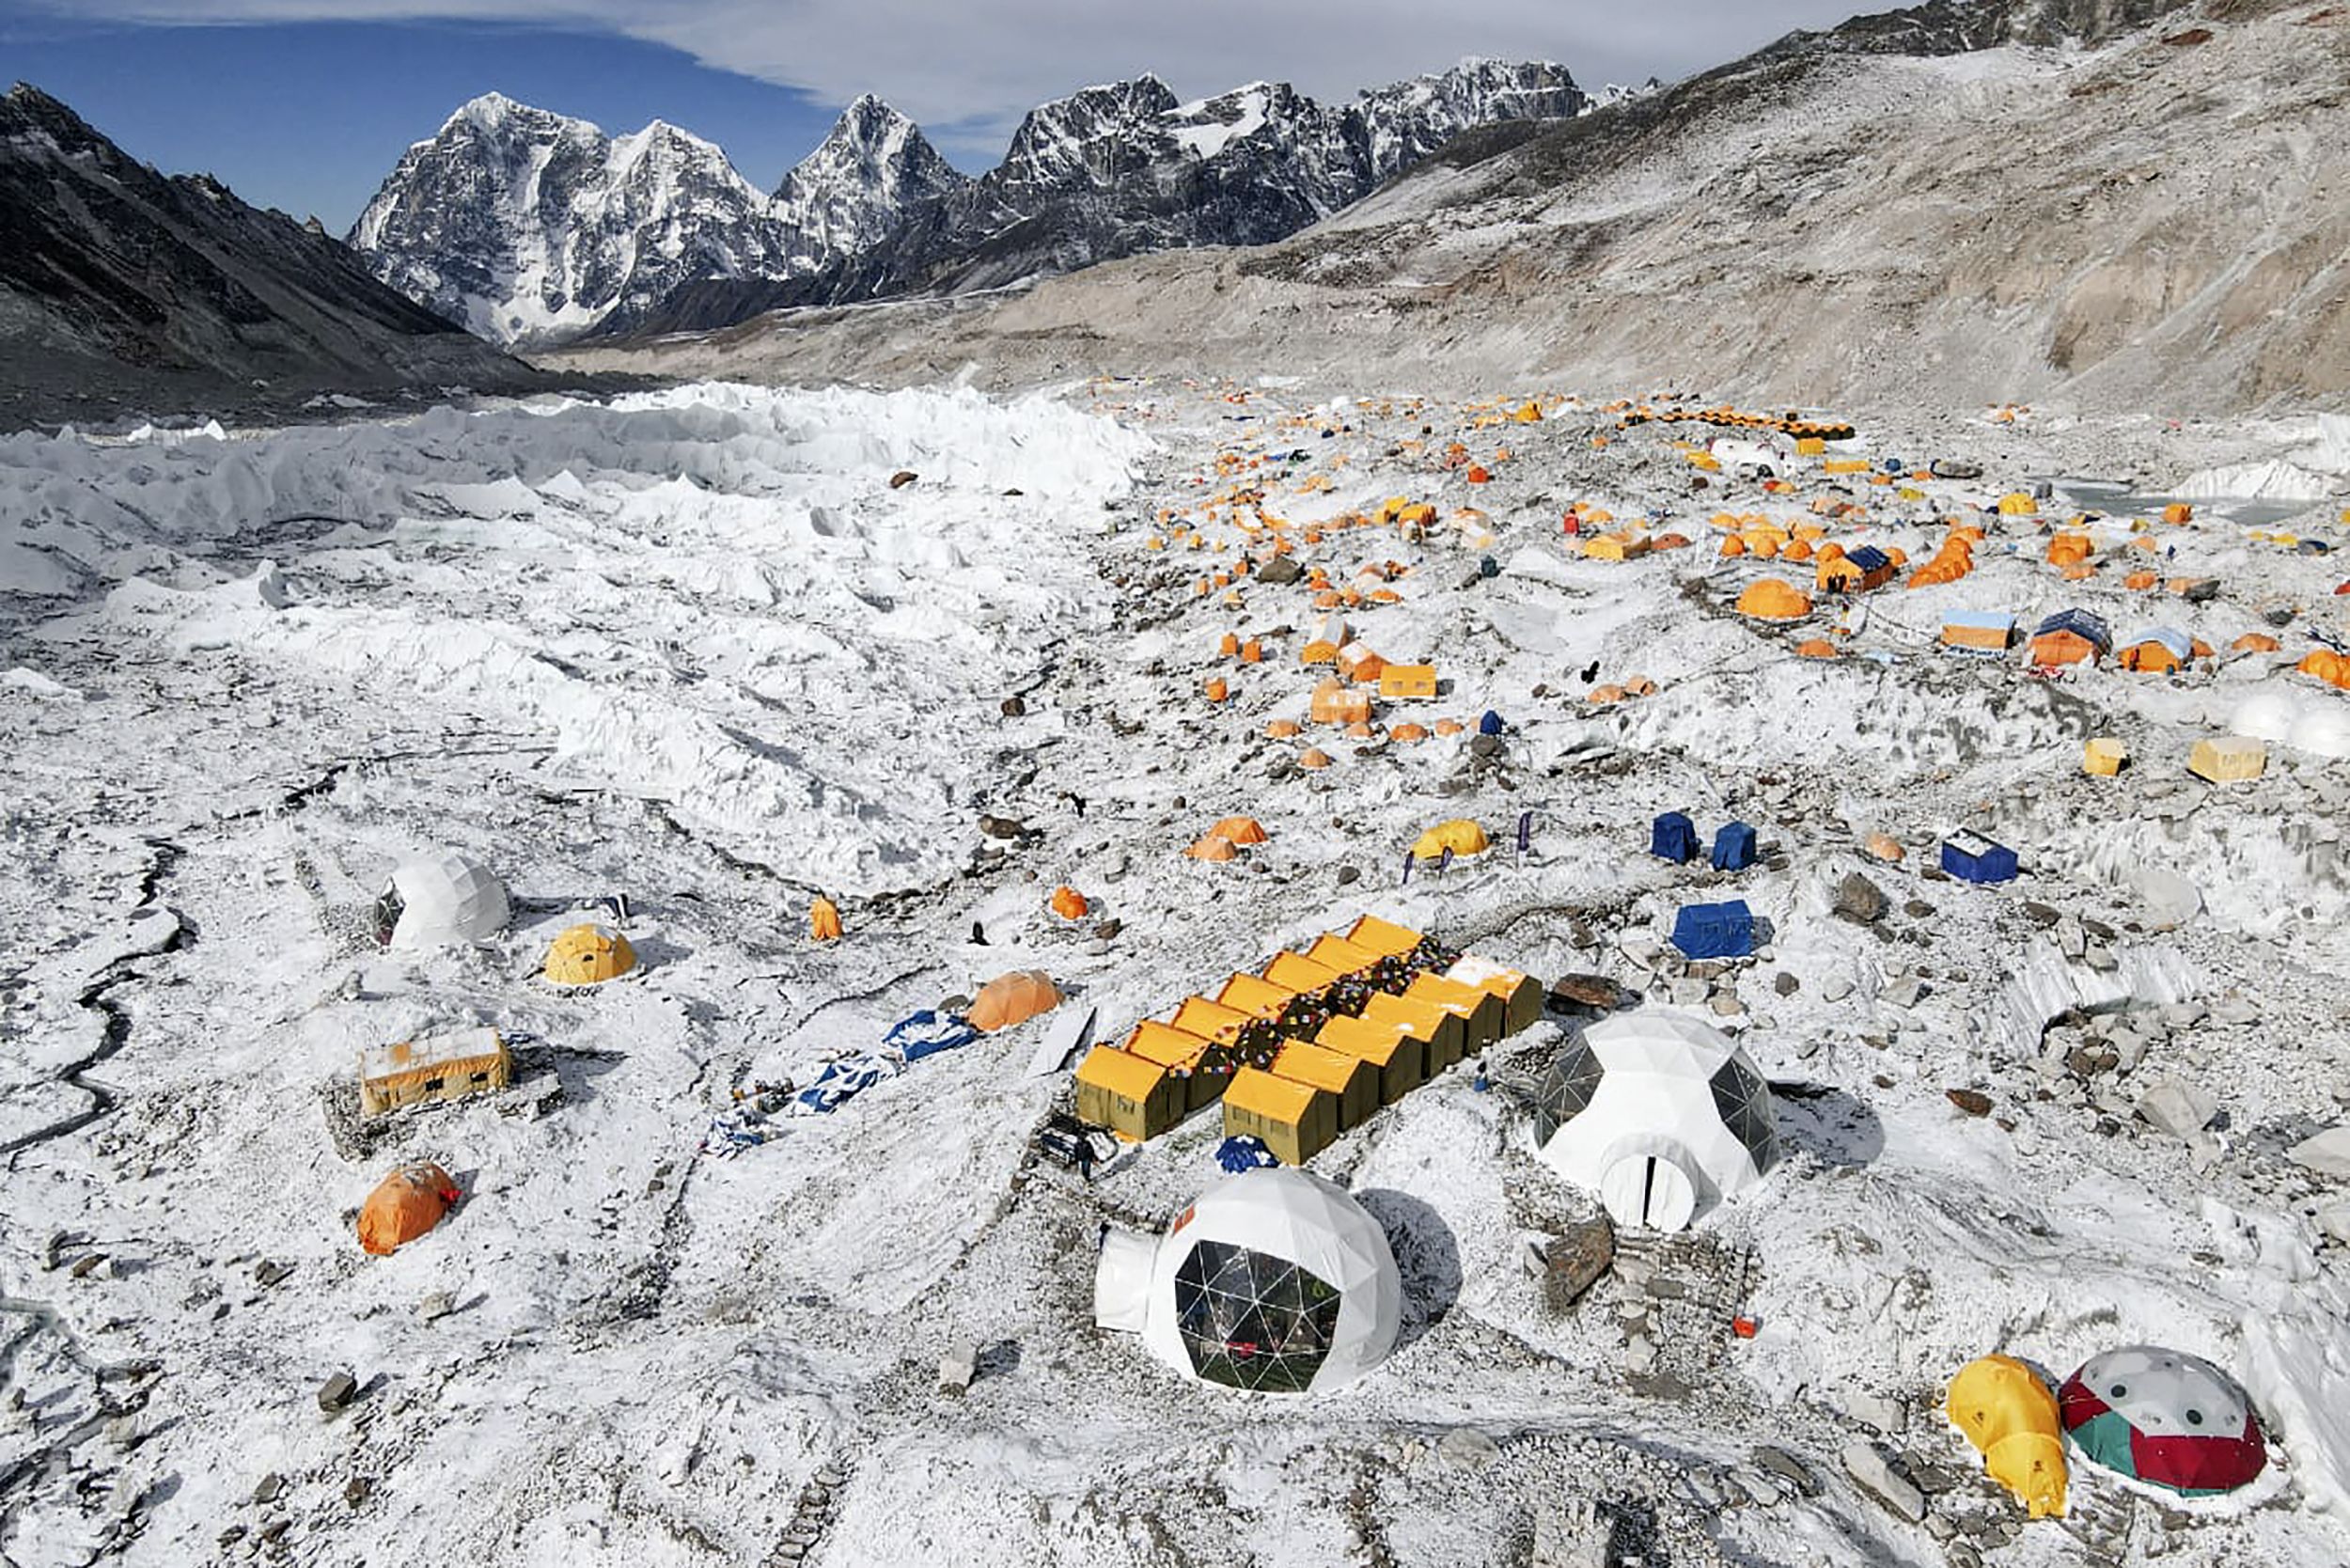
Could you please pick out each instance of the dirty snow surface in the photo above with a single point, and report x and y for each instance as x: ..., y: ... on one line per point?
x: 682, y: 661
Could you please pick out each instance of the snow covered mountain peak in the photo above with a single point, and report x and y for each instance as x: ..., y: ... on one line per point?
x: 532, y: 227
x: 858, y: 187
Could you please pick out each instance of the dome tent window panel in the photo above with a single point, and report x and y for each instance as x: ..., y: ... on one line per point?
x: 1567, y: 1093
x: 1740, y: 1095
x: 1253, y: 1322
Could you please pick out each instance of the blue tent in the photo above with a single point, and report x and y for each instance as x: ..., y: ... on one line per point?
x: 1673, y: 838
x: 1490, y: 723
x: 1733, y: 847
x: 1243, y: 1153
x: 1715, y: 930
x: 1972, y: 858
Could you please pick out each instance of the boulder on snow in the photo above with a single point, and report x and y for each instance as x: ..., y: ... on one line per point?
x: 2177, y: 1108
x: 2327, y: 1153
x: 1859, y: 901
x: 1878, y: 1478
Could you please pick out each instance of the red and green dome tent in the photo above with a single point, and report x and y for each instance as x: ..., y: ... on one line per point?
x: 2164, y: 1418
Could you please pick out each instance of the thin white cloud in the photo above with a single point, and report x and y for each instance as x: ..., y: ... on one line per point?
x: 970, y: 68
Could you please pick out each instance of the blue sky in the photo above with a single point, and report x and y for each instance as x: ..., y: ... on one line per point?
x: 305, y: 105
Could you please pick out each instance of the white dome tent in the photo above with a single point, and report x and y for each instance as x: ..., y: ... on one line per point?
x: 1274, y: 1281
x: 1661, y: 1115
x: 441, y: 899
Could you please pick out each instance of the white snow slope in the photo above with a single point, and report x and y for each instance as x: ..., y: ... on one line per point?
x: 693, y: 650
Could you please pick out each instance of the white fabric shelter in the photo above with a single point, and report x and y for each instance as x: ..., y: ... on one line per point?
x: 444, y: 899
x: 1274, y: 1280
x: 1661, y: 1115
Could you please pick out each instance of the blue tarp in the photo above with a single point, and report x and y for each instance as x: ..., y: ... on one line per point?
x: 923, y: 1034
x: 1243, y: 1153
x: 1972, y: 858
x: 1715, y: 930
x: 1673, y: 838
x: 2084, y: 624
x: 926, y: 1033
x: 1733, y: 847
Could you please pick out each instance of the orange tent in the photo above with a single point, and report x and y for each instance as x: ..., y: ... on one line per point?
x: 1281, y: 730
x: 823, y: 920
x: 1069, y: 903
x: 1407, y: 733
x: 1772, y: 600
x: 1212, y: 846
x: 2254, y: 642
x: 1315, y: 758
x: 404, y: 1205
x: 1013, y: 998
x: 1816, y: 647
x: 1240, y: 830
x: 2328, y: 666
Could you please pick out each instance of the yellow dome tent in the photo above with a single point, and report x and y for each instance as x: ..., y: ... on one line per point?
x: 589, y: 955
x: 2010, y: 1416
x: 1013, y: 998
x: 1461, y: 836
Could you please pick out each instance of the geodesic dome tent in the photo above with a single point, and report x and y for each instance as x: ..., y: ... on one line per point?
x: 440, y: 899
x: 1274, y: 1281
x: 2164, y: 1417
x: 1661, y: 1115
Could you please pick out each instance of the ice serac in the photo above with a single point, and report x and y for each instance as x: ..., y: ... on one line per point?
x: 856, y: 190
x: 529, y: 225
x: 122, y: 289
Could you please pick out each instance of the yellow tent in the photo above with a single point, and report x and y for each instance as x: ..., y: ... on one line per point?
x: 2017, y: 504
x: 1296, y: 1120
x: 1351, y: 1079
x: 589, y: 955
x: 2104, y: 757
x: 1134, y: 1098
x: 2227, y: 760
x: 2011, y: 1418
x: 1461, y: 836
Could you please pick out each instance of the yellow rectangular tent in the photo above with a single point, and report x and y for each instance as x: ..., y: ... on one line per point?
x: 2104, y: 757
x: 1442, y: 1032
x: 1136, y: 1099
x: 1521, y: 995
x: 1355, y: 1081
x: 1302, y: 976
x: 446, y: 1066
x: 1480, y: 1012
x: 1341, y: 957
x: 1401, y: 1060
x: 1198, y: 1064
x: 1407, y: 682
x: 2227, y: 760
x: 1296, y: 1120
x: 1210, y: 1021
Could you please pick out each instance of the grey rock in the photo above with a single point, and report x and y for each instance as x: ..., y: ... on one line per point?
x: 337, y: 1392
x: 1785, y: 983
x: 1280, y: 571
x: 1787, y: 1468
x: 2181, y: 1109
x: 959, y: 1366
x: 440, y: 1303
x: 2327, y: 1152
x: 1465, y: 1445
x: 1835, y: 988
x: 1877, y: 1476
x: 1727, y: 1005
x: 267, y: 1489
x: 1573, y: 1262
x: 1886, y: 1416
x: 1859, y: 901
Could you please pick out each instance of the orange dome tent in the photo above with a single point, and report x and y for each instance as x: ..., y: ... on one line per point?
x: 1212, y: 846
x: 1772, y: 600
x: 1315, y: 758
x: 1240, y: 830
x: 1069, y: 903
x: 1013, y: 998
x: 404, y: 1205
x: 823, y: 920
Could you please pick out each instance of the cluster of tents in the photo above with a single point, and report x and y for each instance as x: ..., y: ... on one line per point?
x: 2160, y: 1417
x: 1310, y: 1046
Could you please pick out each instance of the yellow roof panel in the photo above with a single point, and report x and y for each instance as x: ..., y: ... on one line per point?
x: 1254, y: 994
x: 1209, y: 1021
x: 1374, y: 1041
x: 1376, y: 936
x: 1164, y: 1044
x: 1127, y: 1076
x: 1300, y: 975
x: 1301, y: 1061
x: 1422, y: 1015
x: 1337, y: 954
x: 1265, y: 1094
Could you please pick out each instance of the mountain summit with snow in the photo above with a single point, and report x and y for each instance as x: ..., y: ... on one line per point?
x: 530, y: 227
